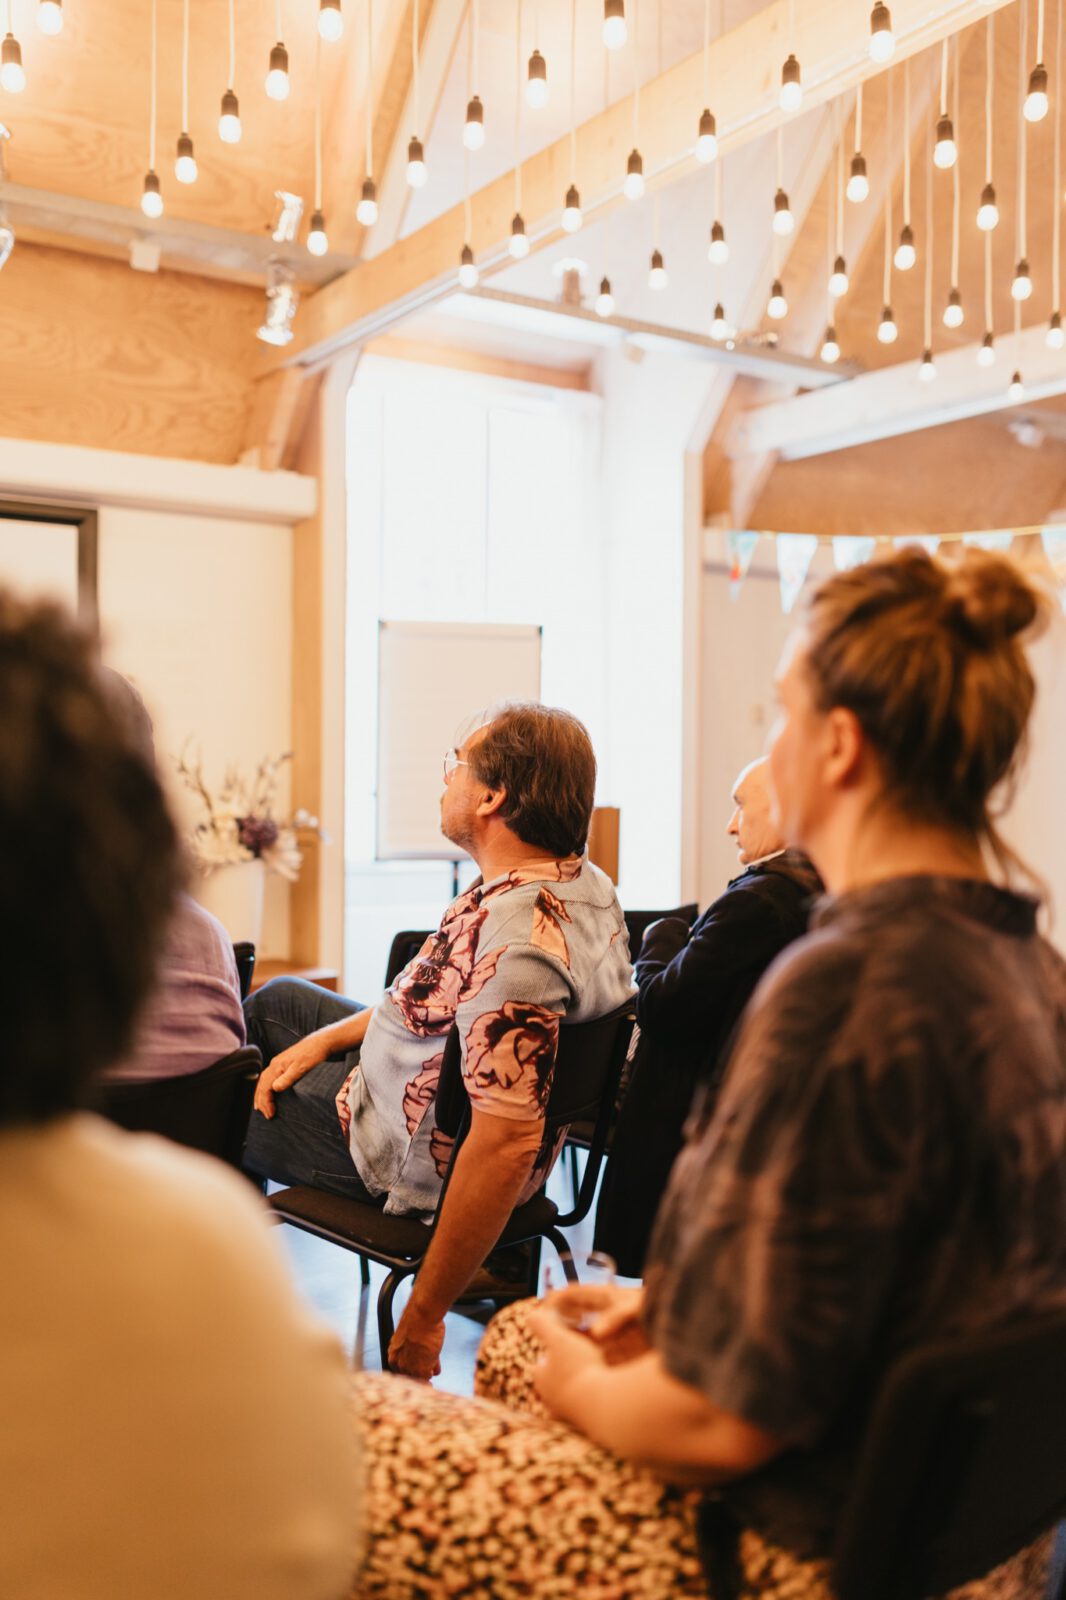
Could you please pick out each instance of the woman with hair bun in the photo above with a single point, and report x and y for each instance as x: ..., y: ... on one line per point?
x: 885, y: 1164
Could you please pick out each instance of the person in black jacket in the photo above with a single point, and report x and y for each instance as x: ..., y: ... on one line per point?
x: 693, y: 984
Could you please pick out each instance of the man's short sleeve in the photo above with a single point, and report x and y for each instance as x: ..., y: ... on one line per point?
x: 510, y: 1031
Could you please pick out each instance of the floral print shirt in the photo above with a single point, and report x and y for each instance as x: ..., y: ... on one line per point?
x: 511, y: 960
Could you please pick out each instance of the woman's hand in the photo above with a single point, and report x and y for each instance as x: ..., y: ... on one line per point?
x: 288, y: 1068
x: 569, y: 1357
x: 607, y: 1314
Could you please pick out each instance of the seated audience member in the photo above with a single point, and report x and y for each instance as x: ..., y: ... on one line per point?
x: 346, y: 1101
x: 885, y: 1165
x: 155, y: 1366
x: 693, y: 984
x: 193, y: 1016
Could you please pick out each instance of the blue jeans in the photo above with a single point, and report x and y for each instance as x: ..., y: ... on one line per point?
x: 302, y: 1143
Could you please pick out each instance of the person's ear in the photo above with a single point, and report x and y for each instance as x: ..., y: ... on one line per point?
x: 489, y: 802
x: 845, y: 747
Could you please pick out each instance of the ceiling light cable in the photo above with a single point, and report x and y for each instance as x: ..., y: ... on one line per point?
x: 1055, y: 336
x: 1022, y: 284
x: 151, y: 195
x: 988, y: 211
x: 366, y: 212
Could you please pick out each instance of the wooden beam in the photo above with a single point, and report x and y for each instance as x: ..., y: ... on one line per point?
x: 458, y: 359
x: 832, y: 42
x: 892, y: 401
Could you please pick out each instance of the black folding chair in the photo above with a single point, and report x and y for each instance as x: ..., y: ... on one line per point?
x: 244, y: 955
x: 206, y: 1110
x: 588, y: 1066
x: 405, y: 946
x: 963, y: 1465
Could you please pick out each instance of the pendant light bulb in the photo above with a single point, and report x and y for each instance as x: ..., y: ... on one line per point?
x: 537, y: 82
x: 229, y: 120
x: 1055, y: 338
x: 605, y: 299
x: 12, y: 75
x: 317, y: 238
x: 518, y: 247
x: 882, y: 39
x: 707, y: 139
x: 784, y: 221
x: 1036, y: 101
x: 953, y: 312
x: 330, y: 21
x: 633, y: 182
x: 718, y: 250
x: 615, y: 32
x: 988, y: 211
x: 720, y: 328
x: 417, y: 172
x: 1021, y: 284
x: 887, y: 332
x: 657, y: 276
x: 1016, y: 388
x: 468, y: 273
x: 185, y: 168
x: 474, y: 126
x: 791, y: 96
x: 366, y: 212
x: 151, y: 198
x: 858, y: 183
x: 927, y: 370
x: 572, y: 217
x: 838, y: 278
x: 905, y: 255
x: 277, y: 78
x: 945, y: 151
x: 986, y: 356
x: 50, y: 17
x: 830, y: 351
x: 777, y: 305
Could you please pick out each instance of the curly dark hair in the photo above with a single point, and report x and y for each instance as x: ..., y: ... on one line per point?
x: 91, y: 864
x: 543, y: 757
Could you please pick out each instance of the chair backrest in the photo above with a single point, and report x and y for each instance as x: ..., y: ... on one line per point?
x: 638, y: 922
x: 405, y: 946
x: 244, y: 955
x: 964, y: 1463
x: 206, y: 1110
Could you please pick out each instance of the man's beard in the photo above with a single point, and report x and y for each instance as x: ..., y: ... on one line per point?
x: 458, y: 831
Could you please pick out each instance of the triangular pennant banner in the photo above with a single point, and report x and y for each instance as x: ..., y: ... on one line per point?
x: 850, y: 552
x: 740, y: 548
x: 1055, y: 546
x: 795, y: 552
x: 928, y: 541
x: 1000, y: 540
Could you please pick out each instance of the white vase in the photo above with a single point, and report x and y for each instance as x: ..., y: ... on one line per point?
x: 234, y: 894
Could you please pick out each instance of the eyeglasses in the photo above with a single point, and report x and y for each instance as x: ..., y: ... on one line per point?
x: 451, y: 761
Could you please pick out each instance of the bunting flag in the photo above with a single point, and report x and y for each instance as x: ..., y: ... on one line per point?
x: 930, y: 542
x: 740, y: 548
x: 1055, y: 547
x: 850, y: 552
x: 795, y: 552
x: 1000, y: 541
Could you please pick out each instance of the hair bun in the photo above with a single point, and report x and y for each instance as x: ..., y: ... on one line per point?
x: 989, y: 597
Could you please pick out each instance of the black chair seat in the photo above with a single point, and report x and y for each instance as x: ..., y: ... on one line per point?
x: 384, y: 1238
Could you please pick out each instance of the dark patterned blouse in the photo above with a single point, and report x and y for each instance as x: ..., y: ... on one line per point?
x: 886, y: 1165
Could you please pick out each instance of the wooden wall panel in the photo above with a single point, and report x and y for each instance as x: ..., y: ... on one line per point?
x: 97, y: 354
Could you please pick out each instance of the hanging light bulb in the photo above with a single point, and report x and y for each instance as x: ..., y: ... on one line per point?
x: 185, y: 168
x: 858, y: 183
x: 784, y: 221
x: 633, y: 182
x: 366, y: 212
x: 572, y: 218
x: 657, y: 277
x: 720, y: 328
x: 953, y: 313
x: 988, y: 211
x: 905, y: 255
x: 777, y: 305
x: 317, y: 238
x: 605, y: 299
x: 1016, y: 388
x: 830, y: 351
x: 50, y: 17
x: 151, y: 198
x: 945, y: 152
x: 229, y: 120
x: 718, y: 250
x: 417, y: 172
x: 1036, y: 101
x: 706, y: 139
x: 887, y: 332
x: 518, y: 247
x: 330, y: 21
x: 927, y: 370
x: 615, y: 32
x: 537, y: 82
x: 838, y: 278
x: 474, y: 126
x: 1055, y: 338
x: 1021, y: 284
x: 468, y: 273
x: 277, y: 78
x: 12, y: 76
x: 791, y: 96
x: 882, y: 39
x: 986, y: 356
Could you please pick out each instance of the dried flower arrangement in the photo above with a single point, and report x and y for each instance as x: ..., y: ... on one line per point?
x: 239, y: 824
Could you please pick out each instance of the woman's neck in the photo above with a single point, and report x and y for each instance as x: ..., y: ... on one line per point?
x: 884, y: 845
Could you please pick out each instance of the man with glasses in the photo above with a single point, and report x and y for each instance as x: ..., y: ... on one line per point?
x: 346, y: 1101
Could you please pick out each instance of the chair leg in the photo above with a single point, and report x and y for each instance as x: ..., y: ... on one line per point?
x: 364, y: 1272
x: 564, y: 1253
x: 575, y: 1181
x: 386, y: 1326
x: 533, y: 1282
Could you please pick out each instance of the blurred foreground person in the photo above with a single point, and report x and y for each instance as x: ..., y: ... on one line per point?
x: 154, y: 1362
x: 886, y: 1164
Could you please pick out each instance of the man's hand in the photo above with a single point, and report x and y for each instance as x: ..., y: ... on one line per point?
x: 288, y: 1068
x: 608, y: 1314
x: 416, y: 1346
